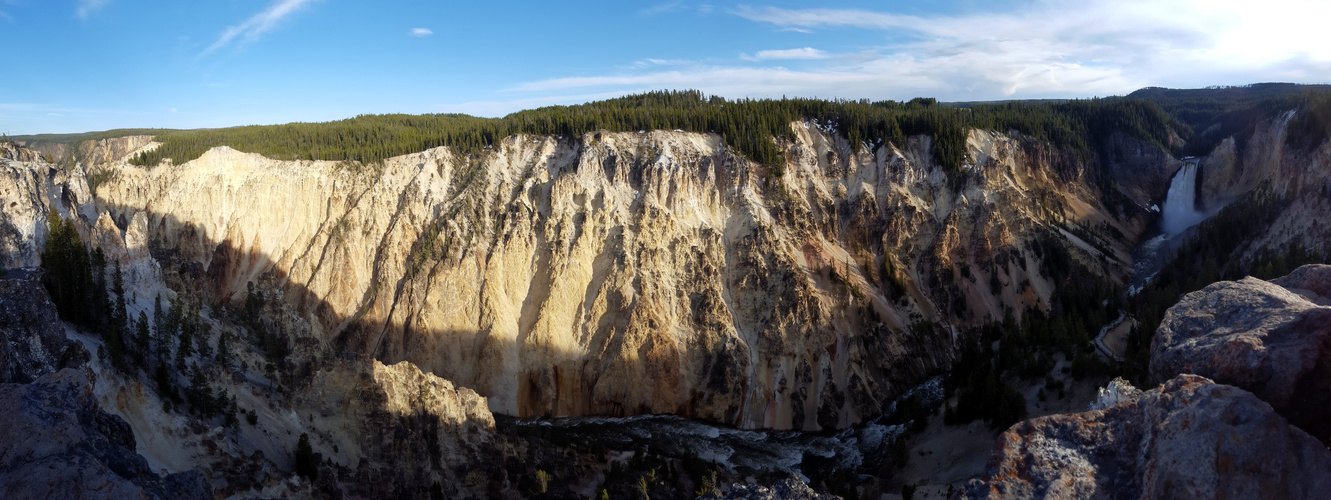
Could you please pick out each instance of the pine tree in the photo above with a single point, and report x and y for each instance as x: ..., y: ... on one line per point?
x: 68, y: 277
x: 141, y: 337
x: 224, y: 348
x: 160, y: 337
x: 305, y: 465
x: 119, y: 318
x: 165, y: 388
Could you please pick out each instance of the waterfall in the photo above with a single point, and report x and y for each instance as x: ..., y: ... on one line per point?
x: 1180, y: 212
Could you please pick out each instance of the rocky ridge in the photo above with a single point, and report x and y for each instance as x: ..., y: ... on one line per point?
x: 32, y: 338
x: 156, y: 453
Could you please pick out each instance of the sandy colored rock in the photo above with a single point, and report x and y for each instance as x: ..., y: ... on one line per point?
x: 627, y: 273
x: 402, y: 430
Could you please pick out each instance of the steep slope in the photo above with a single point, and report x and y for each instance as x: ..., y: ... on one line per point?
x: 116, y: 432
x: 623, y: 273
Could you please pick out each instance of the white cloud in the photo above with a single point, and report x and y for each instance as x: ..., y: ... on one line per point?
x: 804, y: 53
x: 1049, y: 48
x: 5, y: 15
x: 258, y: 24
x: 86, y: 7
x: 663, y: 8
x: 419, y: 32
x: 652, y: 61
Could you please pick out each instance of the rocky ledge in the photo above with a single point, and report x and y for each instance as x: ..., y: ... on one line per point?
x: 1245, y: 379
x: 32, y: 338
x: 1189, y: 438
x: 1270, y: 338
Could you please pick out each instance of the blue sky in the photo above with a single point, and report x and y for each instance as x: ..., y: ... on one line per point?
x: 81, y: 65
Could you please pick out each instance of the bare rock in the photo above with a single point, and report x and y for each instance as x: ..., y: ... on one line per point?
x: 57, y: 443
x: 32, y: 337
x: 1189, y: 438
x: 403, y: 430
x: 1313, y: 282
x: 790, y: 488
x: 634, y: 273
x: 1261, y: 336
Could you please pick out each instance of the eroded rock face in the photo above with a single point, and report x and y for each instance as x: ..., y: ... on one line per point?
x: 56, y: 443
x: 1189, y: 438
x: 400, y: 430
x: 32, y: 337
x: 623, y: 273
x: 1265, y: 337
x: 28, y: 191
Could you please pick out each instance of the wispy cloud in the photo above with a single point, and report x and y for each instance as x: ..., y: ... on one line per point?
x: 86, y: 7
x: 257, y: 25
x: 5, y: 15
x: 662, y: 8
x: 1046, y: 48
x: 652, y: 61
x: 419, y: 32
x: 768, y: 55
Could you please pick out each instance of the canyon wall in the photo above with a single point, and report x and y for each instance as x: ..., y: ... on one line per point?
x: 627, y: 273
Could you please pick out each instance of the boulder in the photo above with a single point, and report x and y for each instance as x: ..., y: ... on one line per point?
x: 1189, y: 438
x: 1270, y: 338
x: 32, y: 337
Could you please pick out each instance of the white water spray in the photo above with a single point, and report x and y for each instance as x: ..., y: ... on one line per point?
x: 1180, y: 211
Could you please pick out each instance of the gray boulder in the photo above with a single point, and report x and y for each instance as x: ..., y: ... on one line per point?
x: 1270, y: 338
x: 32, y: 337
x: 1190, y: 438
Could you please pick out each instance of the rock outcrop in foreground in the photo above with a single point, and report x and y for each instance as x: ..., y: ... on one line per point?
x: 1190, y: 438
x: 400, y: 429
x: 32, y: 338
x: 1253, y: 432
x: 1271, y: 338
x: 55, y: 440
x: 56, y: 443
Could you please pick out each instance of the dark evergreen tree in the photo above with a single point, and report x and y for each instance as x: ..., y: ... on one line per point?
x: 305, y: 463
x: 68, y: 278
x: 141, y: 341
x: 224, y: 348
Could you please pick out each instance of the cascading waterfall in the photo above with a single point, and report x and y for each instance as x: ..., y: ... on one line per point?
x: 1180, y: 212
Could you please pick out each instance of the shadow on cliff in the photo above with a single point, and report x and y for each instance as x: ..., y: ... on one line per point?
x: 219, y: 274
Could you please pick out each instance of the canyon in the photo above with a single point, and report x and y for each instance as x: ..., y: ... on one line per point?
x: 438, y: 313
